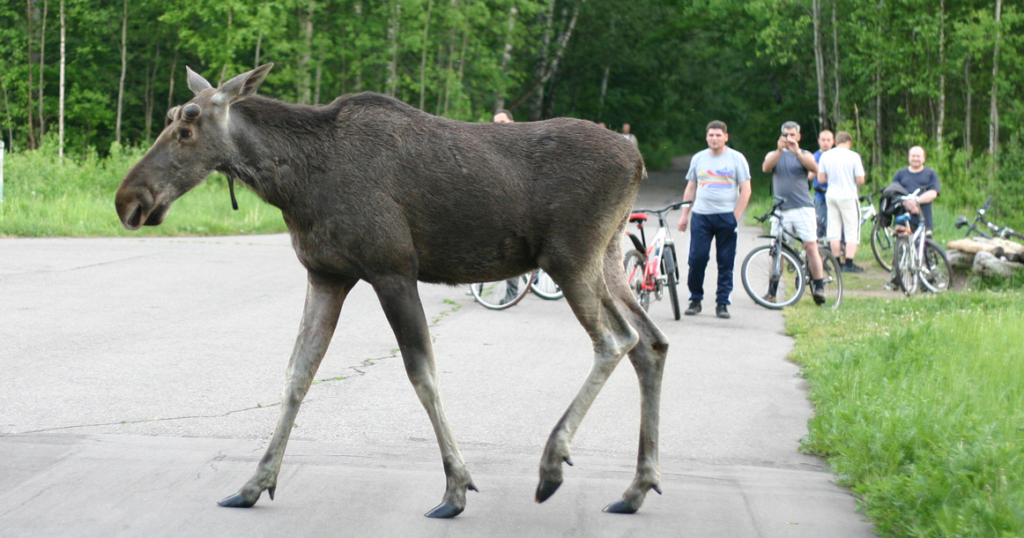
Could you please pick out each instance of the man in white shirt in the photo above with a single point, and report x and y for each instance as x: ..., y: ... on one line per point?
x: 843, y: 172
x: 629, y: 136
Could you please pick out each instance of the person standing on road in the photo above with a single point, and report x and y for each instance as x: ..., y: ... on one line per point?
x: 790, y: 167
x: 843, y: 171
x: 825, y: 143
x: 718, y: 184
x: 918, y: 176
x: 511, y: 285
x: 629, y: 136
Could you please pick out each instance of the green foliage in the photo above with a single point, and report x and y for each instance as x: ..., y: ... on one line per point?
x: 919, y: 404
x: 48, y: 196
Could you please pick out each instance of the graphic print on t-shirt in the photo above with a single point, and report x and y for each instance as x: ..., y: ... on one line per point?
x: 715, y: 179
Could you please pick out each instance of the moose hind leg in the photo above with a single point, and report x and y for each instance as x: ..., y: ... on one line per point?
x: 324, y: 298
x: 648, y: 359
x: 401, y: 302
x: 611, y: 336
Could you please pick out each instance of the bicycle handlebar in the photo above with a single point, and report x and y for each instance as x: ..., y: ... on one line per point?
x: 988, y: 202
x: 670, y: 207
x: 778, y: 203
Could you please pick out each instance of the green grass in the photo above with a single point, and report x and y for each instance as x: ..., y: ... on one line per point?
x: 74, y: 197
x: 920, y: 408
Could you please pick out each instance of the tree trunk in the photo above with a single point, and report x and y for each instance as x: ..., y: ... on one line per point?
x: 819, y: 64
x: 359, y: 63
x: 604, y: 91
x: 967, y: 107
x: 940, y: 124
x: 423, y: 60
x: 394, y: 22
x: 10, y: 122
x: 304, y: 78
x: 149, y: 99
x: 506, y: 57
x: 563, y: 43
x: 836, y: 113
x: 42, y: 66
x: 63, y: 63
x: 28, y: 35
x: 259, y: 42
x: 170, y: 92
x: 124, y: 71
x: 537, y: 102
x: 993, y: 126
x: 876, y: 156
x: 319, y: 76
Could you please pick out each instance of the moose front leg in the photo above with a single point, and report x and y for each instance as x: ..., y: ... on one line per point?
x: 401, y: 302
x: 324, y: 297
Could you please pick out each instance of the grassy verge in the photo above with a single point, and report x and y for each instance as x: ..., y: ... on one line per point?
x: 920, y: 408
x: 46, y: 196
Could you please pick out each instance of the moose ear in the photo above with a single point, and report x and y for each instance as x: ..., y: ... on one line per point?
x: 242, y: 86
x: 196, y: 83
x: 172, y: 112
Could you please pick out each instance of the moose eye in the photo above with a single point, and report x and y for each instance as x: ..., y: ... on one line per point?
x: 185, y: 133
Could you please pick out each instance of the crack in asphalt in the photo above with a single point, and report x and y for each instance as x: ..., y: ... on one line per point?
x: 359, y: 369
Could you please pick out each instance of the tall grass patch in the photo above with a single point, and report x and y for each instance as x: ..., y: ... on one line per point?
x: 74, y: 197
x: 920, y: 408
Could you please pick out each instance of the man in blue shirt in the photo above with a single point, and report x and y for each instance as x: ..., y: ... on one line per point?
x: 825, y: 142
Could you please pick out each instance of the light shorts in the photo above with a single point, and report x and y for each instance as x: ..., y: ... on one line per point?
x: 843, y: 220
x: 799, y: 221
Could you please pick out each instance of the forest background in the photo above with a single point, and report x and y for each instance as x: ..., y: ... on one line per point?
x: 896, y: 73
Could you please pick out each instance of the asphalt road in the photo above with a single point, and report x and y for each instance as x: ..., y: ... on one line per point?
x: 140, y: 378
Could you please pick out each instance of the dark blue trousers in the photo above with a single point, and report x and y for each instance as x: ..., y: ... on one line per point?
x: 703, y: 228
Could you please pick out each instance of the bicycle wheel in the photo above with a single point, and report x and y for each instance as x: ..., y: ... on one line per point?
x: 881, y: 245
x: 545, y: 288
x: 936, y: 272
x: 502, y: 294
x: 772, y: 288
x: 904, y: 260
x: 634, y: 265
x: 669, y: 267
x: 833, y: 279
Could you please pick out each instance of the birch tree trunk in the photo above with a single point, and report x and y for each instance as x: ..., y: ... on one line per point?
x: 7, y: 107
x: 28, y: 36
x: 506, y: 57
x: 149, y: 99
x: 604, y: 80
x: 304, y: 79
x: 394, y: 22
x: 819, y: 64
x: 423, y: 60
x: 319, y: 75
x: 60, y: 98
x: 836, y: 111
x: 940, y: 124
x: 259, y: 42
x: 993, y: 126
x: 124, y: 70
x: 170, y: 92
x: 537, y: 103
x: 42, y: 66
x: 967, y: 107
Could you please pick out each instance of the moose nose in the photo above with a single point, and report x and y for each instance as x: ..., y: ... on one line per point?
x: 133, y: 206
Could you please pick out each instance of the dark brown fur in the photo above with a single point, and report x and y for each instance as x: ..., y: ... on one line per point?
x: 373, y: 189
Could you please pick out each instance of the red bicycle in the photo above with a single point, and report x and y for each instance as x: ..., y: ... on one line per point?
x: 652, y: 269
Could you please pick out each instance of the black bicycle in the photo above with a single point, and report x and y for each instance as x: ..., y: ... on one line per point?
x: 775, y: 275
x: 980, y: 220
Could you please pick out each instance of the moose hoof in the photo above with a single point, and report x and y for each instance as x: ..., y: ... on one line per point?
x: 621, y: 506
x: 444, y: 511
x: 546, y: 489
x: 239, y: 500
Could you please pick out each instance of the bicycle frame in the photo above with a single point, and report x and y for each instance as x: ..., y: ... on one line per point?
x: 998, y: 231
x: 662, y: 239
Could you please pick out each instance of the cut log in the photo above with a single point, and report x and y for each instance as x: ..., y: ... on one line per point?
x: 985, y: 264
x: 996, y: 246
x: 960, y: 261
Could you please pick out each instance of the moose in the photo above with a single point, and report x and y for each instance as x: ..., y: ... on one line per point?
x: 368, y: 170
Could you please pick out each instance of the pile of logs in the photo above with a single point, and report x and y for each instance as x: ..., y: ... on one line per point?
x: 986, y: 257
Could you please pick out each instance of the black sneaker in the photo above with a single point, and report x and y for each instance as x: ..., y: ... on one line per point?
x: 722, y: 311
x: 849, y: 267
x: 818, y: 292
x: 694, y: 308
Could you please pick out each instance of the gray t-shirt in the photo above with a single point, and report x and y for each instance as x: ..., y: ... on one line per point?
x: 789, y: 181
x: 718, y: 178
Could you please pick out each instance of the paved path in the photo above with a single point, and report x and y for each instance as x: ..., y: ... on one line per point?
x: 139, y: 381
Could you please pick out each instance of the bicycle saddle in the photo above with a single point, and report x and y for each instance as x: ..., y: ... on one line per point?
x: 638, y: 217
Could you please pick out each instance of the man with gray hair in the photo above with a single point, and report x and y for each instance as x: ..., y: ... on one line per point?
x: 789, y: 166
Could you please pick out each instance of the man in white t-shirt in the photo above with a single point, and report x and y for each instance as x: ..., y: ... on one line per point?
x: 843, y: 172
x: 629, y: 136
x: 718, y: 184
